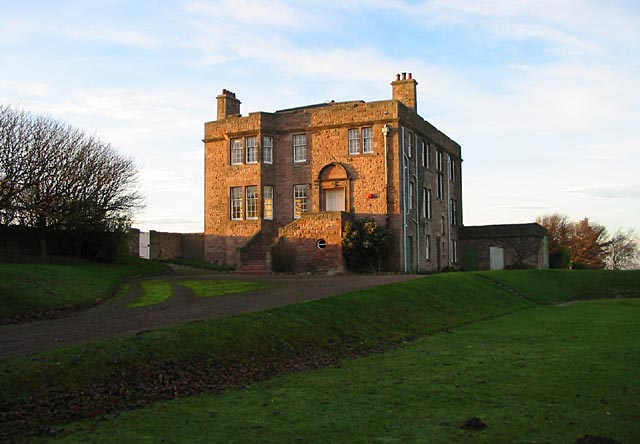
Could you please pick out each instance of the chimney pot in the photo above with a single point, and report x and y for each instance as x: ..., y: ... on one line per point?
x: 228, y: 104
x: 405, y: 90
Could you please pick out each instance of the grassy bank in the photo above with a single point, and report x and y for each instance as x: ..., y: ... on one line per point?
x: 550, y: 374
x: 335, y: 326
x: 211, y: 355
x: 554, y: 286
x: 28, y: 288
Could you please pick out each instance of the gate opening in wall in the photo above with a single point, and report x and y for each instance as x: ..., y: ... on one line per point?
x: 144, y: 250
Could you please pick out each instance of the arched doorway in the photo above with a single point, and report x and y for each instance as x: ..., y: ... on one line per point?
x: 334, y: 188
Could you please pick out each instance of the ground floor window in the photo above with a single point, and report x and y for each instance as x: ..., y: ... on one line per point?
x: 427, y: 247
x: 236, y: 203
x: 267, y: 202
x: 453, y: 255
x: 299, y: 200
x: 252, y: 202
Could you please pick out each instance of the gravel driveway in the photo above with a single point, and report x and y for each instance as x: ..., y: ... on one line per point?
x: 113, y: 318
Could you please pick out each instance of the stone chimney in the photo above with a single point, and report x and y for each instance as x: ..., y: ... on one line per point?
x: 228, y: 105
x: 404, y: 90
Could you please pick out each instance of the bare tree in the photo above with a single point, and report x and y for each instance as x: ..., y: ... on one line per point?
x: 18, y: 162
x: 522, y: 248
x: 623, y: 252
x: 54, y: 176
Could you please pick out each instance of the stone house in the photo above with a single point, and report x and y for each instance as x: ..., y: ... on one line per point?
x: 496, y: 247
x: 295, y: 177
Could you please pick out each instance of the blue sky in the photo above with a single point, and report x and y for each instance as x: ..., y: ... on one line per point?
x: 543, y: 96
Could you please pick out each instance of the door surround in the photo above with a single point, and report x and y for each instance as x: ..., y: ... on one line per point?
x: 333, y: 177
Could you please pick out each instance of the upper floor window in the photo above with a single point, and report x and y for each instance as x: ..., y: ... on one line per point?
x: 236, y: 151
x: 453, y: 211
x: 452, y: 169
x: 354, y: 141
x: 252, y: 202
x: 428, y: 205
x: 267, y: 149
x: 356, y: 135
x: 411, y: 194
x: 440, y: 189
x: 439, y: 160
x: 236, y: 203
x: 252, y: 149
x: 299, y: 200
x: 367, y: 140
x: 409, y: 143
x: 267, y: 202
x: 424, y: 202
x: 426, y: 155
x: 299, y: 147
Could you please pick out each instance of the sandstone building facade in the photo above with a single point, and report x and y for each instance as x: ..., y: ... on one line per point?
x: 294, y: 177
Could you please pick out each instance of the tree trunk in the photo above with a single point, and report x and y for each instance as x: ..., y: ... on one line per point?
x: 43, y: 243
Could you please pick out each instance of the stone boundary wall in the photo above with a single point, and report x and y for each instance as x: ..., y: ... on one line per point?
x: 170, y: 245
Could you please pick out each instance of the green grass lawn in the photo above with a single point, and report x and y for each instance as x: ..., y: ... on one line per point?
x: 195, y: 263
x: 211, y: 288
x: 26, y: 288
x: 154, y: 291
x: 301, y: 335
x: 545, y: 375
x: 553, y: 286
x: 336, y: 326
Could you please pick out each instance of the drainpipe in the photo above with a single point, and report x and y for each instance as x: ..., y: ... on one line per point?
x: 448, y: 204
x: 418, y: 191
x: 385, y: 133
x: 403, y: 186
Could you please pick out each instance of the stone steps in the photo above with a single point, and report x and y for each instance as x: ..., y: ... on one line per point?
x: 253, y: 267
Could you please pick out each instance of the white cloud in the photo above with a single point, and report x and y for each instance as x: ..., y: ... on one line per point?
x: 569, y: 26
x: 113, y: 35
x: 15, y: 30
x: 272, y: 13
x: 622, y: 191
x: 31, y: 89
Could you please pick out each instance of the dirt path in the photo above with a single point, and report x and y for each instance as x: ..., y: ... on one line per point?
x: 113, y: 318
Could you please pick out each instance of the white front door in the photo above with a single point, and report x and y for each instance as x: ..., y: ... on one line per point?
x: 334, y: 199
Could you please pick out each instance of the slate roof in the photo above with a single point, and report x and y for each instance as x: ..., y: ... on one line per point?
x: 501, y: 231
